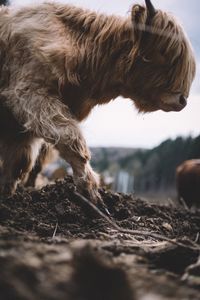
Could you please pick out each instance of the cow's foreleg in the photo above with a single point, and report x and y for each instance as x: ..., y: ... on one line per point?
x: 58, y: 127
x: 74, y: 150
x: 48, y: 118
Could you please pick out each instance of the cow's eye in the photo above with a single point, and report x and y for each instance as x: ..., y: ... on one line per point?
x: 146, y: 59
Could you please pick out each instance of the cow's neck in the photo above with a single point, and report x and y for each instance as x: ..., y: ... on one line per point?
x: 108, y: 56
x: 105, y: 43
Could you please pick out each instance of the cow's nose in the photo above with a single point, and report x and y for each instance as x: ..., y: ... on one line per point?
x: 182, y: 101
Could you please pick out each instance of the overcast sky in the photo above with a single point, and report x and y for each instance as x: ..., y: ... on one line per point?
x: 118, y: 123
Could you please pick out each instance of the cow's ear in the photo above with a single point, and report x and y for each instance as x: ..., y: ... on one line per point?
x: 138, y: 16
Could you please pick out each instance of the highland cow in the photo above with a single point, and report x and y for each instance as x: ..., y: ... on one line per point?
x: 188, y: 182
x: 58, y: 61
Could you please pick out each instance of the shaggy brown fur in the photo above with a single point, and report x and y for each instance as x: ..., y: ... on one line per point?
x: 59, y: 61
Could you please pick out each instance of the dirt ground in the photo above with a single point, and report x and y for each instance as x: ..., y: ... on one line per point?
x: 53, y: 246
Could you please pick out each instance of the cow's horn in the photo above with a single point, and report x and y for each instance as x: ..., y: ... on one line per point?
x: 150, y: 8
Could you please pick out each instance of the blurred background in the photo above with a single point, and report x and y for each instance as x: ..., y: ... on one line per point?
x: 135, y: 152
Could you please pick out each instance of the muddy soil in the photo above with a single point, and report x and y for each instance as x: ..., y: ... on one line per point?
x: 53, y: 246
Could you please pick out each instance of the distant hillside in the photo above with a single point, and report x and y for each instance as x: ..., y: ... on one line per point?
x: 152, y: 170
x: 103, y: 157
x: 4, y: 2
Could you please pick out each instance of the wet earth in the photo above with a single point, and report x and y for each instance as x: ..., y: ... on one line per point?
x: 54, y: 246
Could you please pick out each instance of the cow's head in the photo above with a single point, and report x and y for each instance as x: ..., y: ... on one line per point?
x: 163, y: 64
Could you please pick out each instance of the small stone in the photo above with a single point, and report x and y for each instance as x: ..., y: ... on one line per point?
x: 167, y: 226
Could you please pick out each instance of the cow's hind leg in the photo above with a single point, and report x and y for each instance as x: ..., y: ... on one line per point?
x: 18, y: 161
x: 37, y: 168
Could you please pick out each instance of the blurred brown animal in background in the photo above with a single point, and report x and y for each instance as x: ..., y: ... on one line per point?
x: 59, y: 61
x: 188, y: 182
x: 59, y: 173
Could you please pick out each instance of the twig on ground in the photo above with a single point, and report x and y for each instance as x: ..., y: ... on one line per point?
x: 194, y: 246
x: 183, y: 204
x: 55, y: 231
x: 197, y: 238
